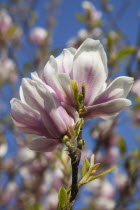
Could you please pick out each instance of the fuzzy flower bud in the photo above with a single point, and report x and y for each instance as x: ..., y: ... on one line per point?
x: 38, y: 35
x: 5, y: 21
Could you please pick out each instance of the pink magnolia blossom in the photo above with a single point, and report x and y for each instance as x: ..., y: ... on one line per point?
x: 38, y: 35
x: 112, y: 155
x: 39, y: 112
x: 88, y: 64
x: 3, y: 150
x: 121, y: 180
x: 94, y: 186
x: 107, y: 190
x: 95, y: 14
x: 96, y: 32
x: 102, y: 203
x: 10, y: 192
x: 5, y: 21
x: 7, y: 69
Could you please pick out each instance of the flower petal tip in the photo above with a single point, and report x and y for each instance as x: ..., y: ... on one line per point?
x: 43, y: 145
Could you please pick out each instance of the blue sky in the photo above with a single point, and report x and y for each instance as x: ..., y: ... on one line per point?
x: 67, y: 26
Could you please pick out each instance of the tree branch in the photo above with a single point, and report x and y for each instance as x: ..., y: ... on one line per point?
x: 75, y: 159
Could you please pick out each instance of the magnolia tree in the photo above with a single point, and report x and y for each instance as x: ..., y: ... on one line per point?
x: 45, y: 158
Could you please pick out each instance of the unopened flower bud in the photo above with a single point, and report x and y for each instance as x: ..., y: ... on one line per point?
x: 81, y: 142
x: 65, y: 139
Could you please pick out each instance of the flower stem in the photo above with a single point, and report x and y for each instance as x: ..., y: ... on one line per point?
x: 75, y: 159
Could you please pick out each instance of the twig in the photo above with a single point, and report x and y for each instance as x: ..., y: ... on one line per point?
x: 75, y: 159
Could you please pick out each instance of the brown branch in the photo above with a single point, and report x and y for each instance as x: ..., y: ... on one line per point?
x: 75, y: 159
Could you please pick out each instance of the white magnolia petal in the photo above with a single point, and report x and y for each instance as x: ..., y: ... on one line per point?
x: 71, y: 111
x: 53, y: 82
x: 35, y: 77
x: 51, y: 66
x: 119, y: 88
x: 107, y: 109
x: 43, y: 144
x: 72, y: 50
x: 39, y: 97
x: 90, y: 66
x: 68, y: 95
x: 22, y: 95
x: 59, y: 117
x: 65, y: 61
x: 60, y: 83
x: 32, y: 130
x: 27, y: 119
x: 103, y: 88
x: 91, y: 45
x: 31, y: 96
x: 66, y: 119
x: 23, y: 113
x: 34, y: 98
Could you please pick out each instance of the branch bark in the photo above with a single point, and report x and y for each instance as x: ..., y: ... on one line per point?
x: 75, y: 159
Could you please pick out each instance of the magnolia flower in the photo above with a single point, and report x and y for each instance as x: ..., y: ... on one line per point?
x: 39, y: 112
x: 121, y: 180
x: 107, y: 190
x: 52, y: 200
x: 38, y: 35
x: 5, y: 21
x: 7, y: 69
x: 3, y: 150
x: 95, y: 14
x: 25, y: 155
x: 87, y: 64
x: 102, y: 203
x: 10, y: 192
x: 112, y: 155
x: 96, y: 32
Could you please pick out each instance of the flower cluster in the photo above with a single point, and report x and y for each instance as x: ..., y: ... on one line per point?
x: 72, y: 85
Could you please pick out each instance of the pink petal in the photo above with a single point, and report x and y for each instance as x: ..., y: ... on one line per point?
x: 119, y: 88
x: 50, y: 67
x: 43, y: 99
x: 65, y: 61
x: 60, y: 83
x: 40, y: 98
x: 90, y: 66
x: 61, y: 64
x: 27, y: 119
x: 71, y: 111
x: 32, y: 130
x: 108, y: 109
x: 44, y: 145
